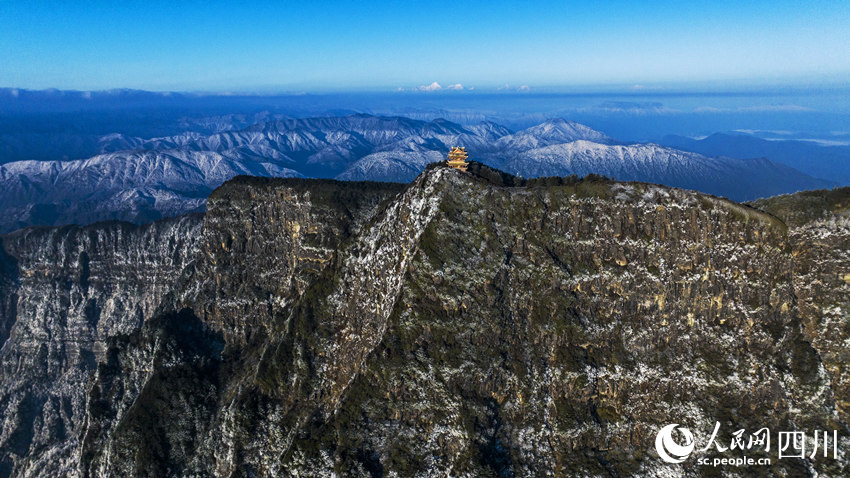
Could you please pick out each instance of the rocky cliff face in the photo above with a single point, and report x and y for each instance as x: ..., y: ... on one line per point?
x: 467, y: 324
x: 265, y: 241
x: 820, y: 238
x: 63, y: 293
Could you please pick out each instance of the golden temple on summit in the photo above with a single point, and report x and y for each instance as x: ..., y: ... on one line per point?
x: 457, y: 158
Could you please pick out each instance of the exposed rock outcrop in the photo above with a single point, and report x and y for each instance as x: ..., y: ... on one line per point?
x: 467, y: 324
x: 64, y: 292
x: 820, y: 238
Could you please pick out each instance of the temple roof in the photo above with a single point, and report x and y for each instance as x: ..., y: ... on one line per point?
x: 457, y: 158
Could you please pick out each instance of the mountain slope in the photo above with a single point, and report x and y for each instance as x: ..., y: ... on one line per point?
x: 820, y: 235
x: 70, y: 290
x: 138, y: 186
x: 733, y: 178
x: 554, y: 131
x: 828, y: 162
x: 466, y: 324
x: 166, y: 176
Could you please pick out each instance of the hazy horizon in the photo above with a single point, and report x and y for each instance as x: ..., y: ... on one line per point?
x: 646, y: 115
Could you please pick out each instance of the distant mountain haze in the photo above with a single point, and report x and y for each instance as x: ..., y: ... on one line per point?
x: 139, y: 179
x: 829, y: 162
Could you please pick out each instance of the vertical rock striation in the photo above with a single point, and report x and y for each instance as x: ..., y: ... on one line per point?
x: 65, y: 291
x: 482, y: 325
x: 265, y: 241
x: 467, y: 324
x: 820, y: 236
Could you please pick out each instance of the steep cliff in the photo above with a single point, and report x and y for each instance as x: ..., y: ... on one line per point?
x: 473, y: 324
x: 466, y: 324
x: 820, y: 238
x: 265, y: 241
x: 63, y: 293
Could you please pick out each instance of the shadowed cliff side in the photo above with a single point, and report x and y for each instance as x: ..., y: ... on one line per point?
x: 473, y: 324
x: 63, y: 293
x: 266, y: 240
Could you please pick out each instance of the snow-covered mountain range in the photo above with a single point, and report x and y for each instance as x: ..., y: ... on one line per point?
x: 140, y: 179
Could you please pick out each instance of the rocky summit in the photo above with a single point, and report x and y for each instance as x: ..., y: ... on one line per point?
x: 465, y: 324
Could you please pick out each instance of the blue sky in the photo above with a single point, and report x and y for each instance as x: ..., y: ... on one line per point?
x: 382, y: 45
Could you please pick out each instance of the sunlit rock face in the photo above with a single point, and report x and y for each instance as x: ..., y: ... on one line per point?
x: 468, y: 324
x: 820, y: 238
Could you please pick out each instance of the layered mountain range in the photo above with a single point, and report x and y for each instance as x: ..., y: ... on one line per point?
x: 822, y: 161
x: 466, y: 324
x: 138, y: 180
